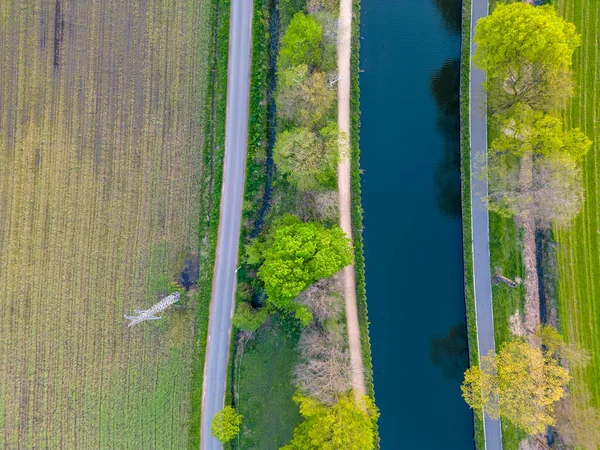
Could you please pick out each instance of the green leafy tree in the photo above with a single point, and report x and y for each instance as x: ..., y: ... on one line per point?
x: 521, y: 384
x: 226, y: 424
x: 247, y: 318
x: 301, y: 43
x: 304, y: 98
x: 345, y: 425
x: 309, y: 160
x: 301, y: 254
x: 533, y: 168
x: 518, y: 34
x: 527, y: 54
x: 538, y: 133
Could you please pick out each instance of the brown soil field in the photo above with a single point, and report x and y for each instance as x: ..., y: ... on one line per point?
x: 101, y: 112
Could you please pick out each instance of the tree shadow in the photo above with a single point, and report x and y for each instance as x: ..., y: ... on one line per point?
x: 451, y: 11
x: 444, y: 86
x: 451, y: 353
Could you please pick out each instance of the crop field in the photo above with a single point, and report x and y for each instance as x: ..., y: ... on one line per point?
x: 579, y: 247
x: 101, y: 113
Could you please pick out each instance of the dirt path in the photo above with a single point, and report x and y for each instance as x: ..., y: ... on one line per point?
x: 532, y: 291
x: 345, y: 194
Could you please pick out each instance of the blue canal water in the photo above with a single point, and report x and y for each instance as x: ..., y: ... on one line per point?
x: 411, y: 196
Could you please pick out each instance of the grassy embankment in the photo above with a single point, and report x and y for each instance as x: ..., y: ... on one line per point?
x: 101, y: 179
x: 213, y: 152
x: 579, y: 247
x: 357, y: 210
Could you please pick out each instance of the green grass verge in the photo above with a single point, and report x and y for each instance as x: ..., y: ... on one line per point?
x: 579, y: 247
x: 213, y: 153
x: 357, y: 210
x: 265, y: 396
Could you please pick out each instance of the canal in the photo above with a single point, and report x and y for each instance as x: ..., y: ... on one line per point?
x: 412, y: 226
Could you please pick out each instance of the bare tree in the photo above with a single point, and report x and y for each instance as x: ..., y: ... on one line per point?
x: 318, y: 205
x: 534, y: 85
x: 324, y: 368
x: 553, y: 193
x: 577, y: 424
x: 315, y: 6
x: 323, y: 298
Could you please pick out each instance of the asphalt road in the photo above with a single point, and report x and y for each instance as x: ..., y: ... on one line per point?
x: 480, y: 221
x: 224, y: 279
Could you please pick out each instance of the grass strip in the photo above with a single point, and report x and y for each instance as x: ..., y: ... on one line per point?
x: 213, y: 153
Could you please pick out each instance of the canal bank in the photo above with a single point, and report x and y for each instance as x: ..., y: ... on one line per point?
x: 411, y: 193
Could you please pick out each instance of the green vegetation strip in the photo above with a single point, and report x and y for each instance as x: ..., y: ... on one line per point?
x: 357, y: 210
x: 579, y: 247
x: 213, y: 152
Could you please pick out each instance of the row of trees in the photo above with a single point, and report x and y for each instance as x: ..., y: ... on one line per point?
x: 533, y: 167
x: 306, y: 150
x: 297, y: 258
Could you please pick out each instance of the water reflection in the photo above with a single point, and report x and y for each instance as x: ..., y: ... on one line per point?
x: 444, y: 87
x: 451, y: 353
x: 451, y: 11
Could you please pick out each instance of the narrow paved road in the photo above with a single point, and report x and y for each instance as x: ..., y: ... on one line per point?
x: 480, y: 221
x: 224, y: 280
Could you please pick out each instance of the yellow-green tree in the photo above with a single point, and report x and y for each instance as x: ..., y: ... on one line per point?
x: 345, y: 425
x: 521, y: 384
x: 527, y: 54
x: 226, y: 424
x: 308, y: 159
x: 304, y: 98
x: 302, y: 42
x: 528, y: 131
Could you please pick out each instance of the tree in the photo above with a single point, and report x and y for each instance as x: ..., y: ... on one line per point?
x: 302, y: 253
x: 226, y: 424
x: 556, y: 345
x: 578, y: 424
x: 301, y: 43
x: 345, y: 425
x: 304, y: 98
x: 538, y: 133
x: 247, y: 318
x: 553, y: 194
x: 315, y: 6
x: 308, y: 159
x: 323, y: 298
x: 323, y: 371
x: 318, y: 205
x: 527, y: 53
x: 521, y: 384
x: 536, y: 86
x: 517, y: 35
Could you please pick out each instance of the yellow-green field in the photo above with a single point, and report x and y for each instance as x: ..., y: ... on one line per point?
x: 579, y: 248
x: 101, y: 106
